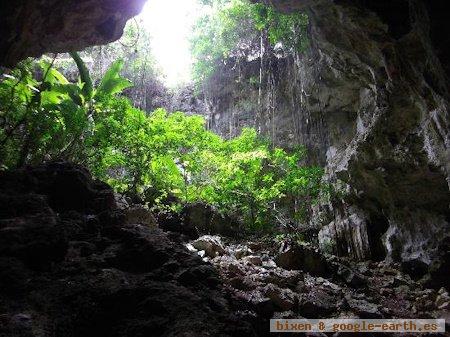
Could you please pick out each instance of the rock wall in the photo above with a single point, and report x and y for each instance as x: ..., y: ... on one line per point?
x: 370, y: 101
x: 33, y: 27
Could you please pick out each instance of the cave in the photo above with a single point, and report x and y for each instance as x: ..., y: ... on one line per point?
x: 301, y: 171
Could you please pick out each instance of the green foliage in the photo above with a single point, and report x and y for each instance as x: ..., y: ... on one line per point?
x: 165, y: 154
x: 45, y: 117
x: 153, y: 155
x: 287, y: 29
x: 233, y: 30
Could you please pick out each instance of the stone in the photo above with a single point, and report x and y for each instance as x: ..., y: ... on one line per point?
x: 140, y: 215
x: 121, y: 201
x: 212, y: 245
x: 67, y: 187
x: 207, y: 220
x: 204, y: 274
x: 283, y: 278
x: 364, y: 308
x: 444, y: 306
x: 442, y: 300
x: 351, y: 277
x: 69, y: 26
x: 253, y: 259
x: 241, y: 252
x: 317, y: 302
x: 255, y: 246
x: 284, y: 299
x: 264, y: 306
x: 270, y: 264
x: 173, y: 222
x: 302, y: 257
x: 56, y: 270
x: 190, y: 247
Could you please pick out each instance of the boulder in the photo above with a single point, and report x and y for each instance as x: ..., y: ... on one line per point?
x: 302, y: 257
x: 253, y: 259
x: 241, y: 252
x: 66, y: 186
x: 284, y: 299
x: 212, y: 245
x: 317, y: 303
x: 352, y: 277
x: 208, y: 220
x: 173, y: 222
x: 139, y: 214
x: 363, y: 308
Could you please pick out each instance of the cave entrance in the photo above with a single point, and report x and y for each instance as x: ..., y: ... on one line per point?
x: 375, y: 230
x: 181, y: 112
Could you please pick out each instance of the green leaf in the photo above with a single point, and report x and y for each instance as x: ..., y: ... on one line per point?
x: 112, y: 83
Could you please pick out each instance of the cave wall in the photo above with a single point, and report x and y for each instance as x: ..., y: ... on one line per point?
x: 33, y: 27
x: 370, y: 101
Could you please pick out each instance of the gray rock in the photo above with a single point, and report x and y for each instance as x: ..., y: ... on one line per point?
x: 317, y: 303
x: 364, y: 308
x: 140, y: 215
x: 351, y: 277
x: 212, y: 245
x: 208, y: 220
x: 253, y: 259
x: 284, y: 299
x: 302, y: 257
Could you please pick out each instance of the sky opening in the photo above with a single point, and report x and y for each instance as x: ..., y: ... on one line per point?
x: 169, y: 23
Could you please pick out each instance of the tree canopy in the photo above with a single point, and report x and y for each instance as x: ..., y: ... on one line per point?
x: 238, y: 29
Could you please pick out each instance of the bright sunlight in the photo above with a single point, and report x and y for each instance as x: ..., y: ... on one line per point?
x: 169, y: 23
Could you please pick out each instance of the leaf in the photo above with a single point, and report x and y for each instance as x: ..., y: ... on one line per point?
x: 73, y: 90
x: 53, y: 76
x: 114, y: 86
x: 112, y: 83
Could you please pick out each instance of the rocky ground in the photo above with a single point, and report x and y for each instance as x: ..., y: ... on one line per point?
x: 76, y: 260
x: 73, y: 264
x: 297, y: 281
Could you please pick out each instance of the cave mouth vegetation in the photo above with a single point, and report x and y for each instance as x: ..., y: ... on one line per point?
x: 206, y: 167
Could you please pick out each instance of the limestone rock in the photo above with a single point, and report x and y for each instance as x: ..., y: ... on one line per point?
x: 140, y: 215
x: 86, y: 272
x: 302, y: 257
x: 253, y: 259
x: 364, y: 308
x: 284, y: 299
x: 32, y: 27
x: 208, y: 220
x: 212, y: 245
x: 315, y: 305
x: 173, y: 222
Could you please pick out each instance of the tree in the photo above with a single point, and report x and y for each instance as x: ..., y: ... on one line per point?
x: 238, y: 31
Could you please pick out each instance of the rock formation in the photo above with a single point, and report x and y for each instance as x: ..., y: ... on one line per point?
x: 369, y: 99
x: 33, y: 27
x: 72, y: 264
